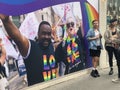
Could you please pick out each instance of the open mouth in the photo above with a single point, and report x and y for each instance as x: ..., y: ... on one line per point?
x: 46, y: 42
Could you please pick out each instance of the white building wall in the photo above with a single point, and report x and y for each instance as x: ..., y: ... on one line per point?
x: 102, y: 26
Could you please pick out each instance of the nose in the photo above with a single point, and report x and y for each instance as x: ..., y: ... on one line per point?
x: 70, y: 25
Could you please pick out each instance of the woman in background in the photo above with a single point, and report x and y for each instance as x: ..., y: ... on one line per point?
x: 112, y: 45
x: 110, y: 37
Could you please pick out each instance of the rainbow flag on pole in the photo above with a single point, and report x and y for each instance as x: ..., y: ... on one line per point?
x: 89, y: 14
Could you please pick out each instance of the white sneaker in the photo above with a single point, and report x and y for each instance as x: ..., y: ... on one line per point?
x: 117, y: 80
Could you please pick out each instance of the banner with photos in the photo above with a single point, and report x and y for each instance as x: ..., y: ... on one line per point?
x: 84, y: 10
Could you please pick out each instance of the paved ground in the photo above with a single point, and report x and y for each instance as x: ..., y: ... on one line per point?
x: 16, y: 82
x: 84, y: 82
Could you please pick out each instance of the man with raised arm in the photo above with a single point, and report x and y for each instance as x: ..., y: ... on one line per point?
x: 39, y: 59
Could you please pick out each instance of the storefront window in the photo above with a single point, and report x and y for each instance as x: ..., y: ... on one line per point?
x: 113, y: 10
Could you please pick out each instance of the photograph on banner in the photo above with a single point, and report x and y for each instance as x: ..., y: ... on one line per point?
x: 57, y: 15
x: 70, y: 23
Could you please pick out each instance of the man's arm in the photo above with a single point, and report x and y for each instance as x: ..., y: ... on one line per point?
x: 21, y: 41
x: 89, y: 38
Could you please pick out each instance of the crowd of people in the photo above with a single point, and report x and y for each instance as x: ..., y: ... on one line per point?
x: 46, y: 57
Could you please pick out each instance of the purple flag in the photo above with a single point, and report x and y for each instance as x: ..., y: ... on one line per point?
x: 18, y: 7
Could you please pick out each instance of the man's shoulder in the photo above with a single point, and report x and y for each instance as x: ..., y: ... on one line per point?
x: 33, y: 42
x: 91, y: 29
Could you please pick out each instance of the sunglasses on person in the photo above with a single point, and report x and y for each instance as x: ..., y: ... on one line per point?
x: 71, y: 24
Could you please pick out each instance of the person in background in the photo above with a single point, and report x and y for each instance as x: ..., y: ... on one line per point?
x: 59, y: 32
x: 2, y: 58
x: 112, y: 45
x: 117, y: 47
x: 69, y: 50
x: 39, y: 59
x: 110, y: 36
x: 56, y: 37
x: 20, y: 64
x: 81, y: 38
x: 94, y: 40
x: 4, y: 85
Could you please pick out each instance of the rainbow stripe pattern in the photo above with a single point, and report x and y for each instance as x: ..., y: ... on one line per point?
x: 89, y: 14
x: 73, y: 54
x: 49, y: 70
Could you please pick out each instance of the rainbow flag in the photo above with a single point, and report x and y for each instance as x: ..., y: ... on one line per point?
x: 89, y: 14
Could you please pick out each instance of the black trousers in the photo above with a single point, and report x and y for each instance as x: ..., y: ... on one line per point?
x: 112, y: 51
x: 118, y: 64
x: 2, y: 70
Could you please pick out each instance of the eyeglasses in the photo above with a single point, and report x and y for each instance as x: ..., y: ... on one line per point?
x: 71, y: 24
